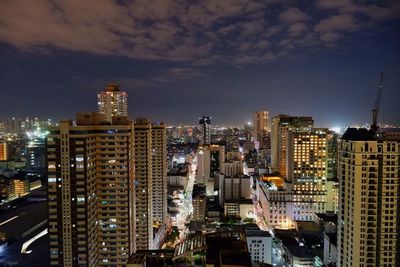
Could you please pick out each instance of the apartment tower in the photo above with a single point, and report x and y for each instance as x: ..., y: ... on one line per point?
x: 90, y: 191
x: 112, y: 102
x: 159, y: 171
x: 368, y: 217
x: 143, y: 184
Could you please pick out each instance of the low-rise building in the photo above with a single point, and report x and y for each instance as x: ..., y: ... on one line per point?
x: 18, y: 188
x: 275, y: 200
x: 242, y: 208
x: 259, y: 244
x: 296, y: 253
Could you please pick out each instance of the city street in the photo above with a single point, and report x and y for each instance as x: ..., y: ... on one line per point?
x: 185, y: 207
x: 277, y: 250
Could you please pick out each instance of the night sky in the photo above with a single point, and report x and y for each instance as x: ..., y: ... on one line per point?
x: 178, y: 60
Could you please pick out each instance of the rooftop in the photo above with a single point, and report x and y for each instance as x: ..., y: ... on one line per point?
x: 112, y: 87
x: 199, y: 190
x: 227, y: 250
x: 152, y: 258
x: 359, y: 134
x: 328, y: 217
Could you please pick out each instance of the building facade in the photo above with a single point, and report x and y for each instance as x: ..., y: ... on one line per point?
x: 159, y: 172
x: 112, y: 102
x: 90, y: 192
x: 143, y: 184
x: 199, y: 202
x: 368, y: 217
x: 260, y: 127
x: 3, y: 151
x: 234, y: 188
x: 259, y: 244
x: 280, y: 126
x: 306, y: 171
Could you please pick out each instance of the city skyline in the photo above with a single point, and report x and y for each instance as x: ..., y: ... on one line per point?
x: 222, y: 59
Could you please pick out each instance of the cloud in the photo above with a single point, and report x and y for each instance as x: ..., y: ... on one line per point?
x: 375, y: 10
x: 297, y: 29
x: 341, y: 5
x: 195, y: 32
x: 293, y: 15
x: 330, y: 37
x: 341, y: 23
x: 179, y: 73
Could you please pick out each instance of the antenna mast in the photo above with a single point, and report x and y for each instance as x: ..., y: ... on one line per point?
x: 375, y: 110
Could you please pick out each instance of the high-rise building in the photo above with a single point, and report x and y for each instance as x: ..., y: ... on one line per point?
x: 91, y: 192
x: 112, y: 102
x: 35, y: 157
x: 260, y: 127
x: 3, y: 151
x: 199, y: 202
x: 306, y: 171
x: 205, y: 137
x: 281, y: 124
x: 234, y: 188
x: 368, y: 216
x: 332, y: 151
x: 159, y: 171
x: 143, y: 184
x: 211, y: 160
x: 248, y: 131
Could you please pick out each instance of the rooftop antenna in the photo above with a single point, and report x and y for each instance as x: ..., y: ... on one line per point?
x: 375, y: 110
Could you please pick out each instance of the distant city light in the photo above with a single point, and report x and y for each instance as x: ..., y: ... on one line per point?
x: 337, y: 129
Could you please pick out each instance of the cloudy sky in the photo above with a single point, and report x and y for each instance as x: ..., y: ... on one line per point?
x: 181, y: 59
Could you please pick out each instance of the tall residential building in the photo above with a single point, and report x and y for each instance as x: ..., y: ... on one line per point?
x: 261, y: 129
x: 281, y: 124
x: 90, y: 191
x: 112, y: 102
x: 368, y: 217
x: 159, y: 171
x: 143, y: 184
x: 306, y: 171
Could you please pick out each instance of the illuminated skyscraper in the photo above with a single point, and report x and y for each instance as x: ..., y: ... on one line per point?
x: 91, y: 192
x: 369, y: 189
x: 3, y: 151
x: 205, y: 122
x: 112, y: 102
x: 260, y: 127
x: 306, y: 171
x: 281, y: 124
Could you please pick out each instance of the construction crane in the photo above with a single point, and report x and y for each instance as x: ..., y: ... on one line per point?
x: 375, y: 110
